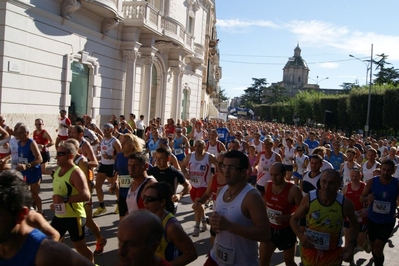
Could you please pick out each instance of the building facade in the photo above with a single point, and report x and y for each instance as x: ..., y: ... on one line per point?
x: 158, y: 58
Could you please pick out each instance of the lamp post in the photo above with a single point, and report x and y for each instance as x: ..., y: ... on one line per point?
x: 317, y: 79
x: 366, y: 127
x: 367, y: 65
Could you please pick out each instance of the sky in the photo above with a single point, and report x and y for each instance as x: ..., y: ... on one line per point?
x: 257, y: 37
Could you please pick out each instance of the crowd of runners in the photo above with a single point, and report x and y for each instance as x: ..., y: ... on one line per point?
x: 269, y: 185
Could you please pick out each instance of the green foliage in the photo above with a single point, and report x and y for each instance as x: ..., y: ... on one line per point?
x: 222, y: 95
x: 390, y: 109
x: 255, y: 92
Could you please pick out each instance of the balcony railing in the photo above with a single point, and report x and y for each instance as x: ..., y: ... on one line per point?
x: 145, y: 16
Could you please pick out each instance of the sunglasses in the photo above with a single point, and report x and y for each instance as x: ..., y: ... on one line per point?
x: 150, y: 199
x: 38, y: 124
x: 62, y: 153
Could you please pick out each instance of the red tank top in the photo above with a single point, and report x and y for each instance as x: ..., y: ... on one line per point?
x: 354, y: 196
x: 40, y: 139
x: 215, y: 186
x: 278, y: 204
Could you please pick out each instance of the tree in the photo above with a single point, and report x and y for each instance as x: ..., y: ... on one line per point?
x: 255, y: 92
x: 347, y: 86
x: 222, y: 95
x: 386, y: 75
x: 277, y: 94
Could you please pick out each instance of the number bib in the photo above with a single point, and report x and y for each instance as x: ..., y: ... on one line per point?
x: 272, y: 215
x: 178, y: 151
x: 194, y: 180
x: 221, y: 135
x: 59, y: 208
x: 319, y: 240
x: 265, y: 168
x: 125, y: 181
x: 22, y: 160
x: 224, y: 255
x: 382, y: 207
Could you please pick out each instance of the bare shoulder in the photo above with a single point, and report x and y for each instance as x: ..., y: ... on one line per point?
x: 50, y: 253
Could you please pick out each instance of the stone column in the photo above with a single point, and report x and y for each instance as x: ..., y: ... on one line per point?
x: 131, y: 59
x: 145, y: 99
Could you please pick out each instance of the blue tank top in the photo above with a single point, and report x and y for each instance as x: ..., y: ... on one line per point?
x: 178, y: 150
x: 336, y: 160
x: 26, y: 156
x: 121, y: 167
x: 26, y: 255
x: 382, y: 210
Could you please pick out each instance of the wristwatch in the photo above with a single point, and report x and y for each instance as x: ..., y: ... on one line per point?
x: 65, y: 199
x: 28, y: 166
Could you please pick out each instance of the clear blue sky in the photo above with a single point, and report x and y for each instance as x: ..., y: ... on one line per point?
x: 257, y: 37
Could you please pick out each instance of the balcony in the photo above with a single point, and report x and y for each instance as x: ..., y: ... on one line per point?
x: 147, y: 18
x: 104, y: 8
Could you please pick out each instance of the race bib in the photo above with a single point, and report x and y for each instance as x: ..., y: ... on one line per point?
x: 272, y: 214
x: 265, y: 168
x: 125, y: 181
x: 178, y: 151
x: 22, y: 160
x: 221, y: 135
x: 194, y: 180
x: 14, y: 164
x: 224, y: 255
x: 319, y: 240
x: 382, y: 207
x: 59, y: 208
x: 153, y: 153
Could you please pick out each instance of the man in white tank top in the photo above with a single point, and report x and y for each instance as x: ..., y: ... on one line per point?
x: 196, y: 167
x: 239, y: 217
x: 214, y: 146
x: 109, y: 147
x: 347, y: 166
x: 264, y: 161
x: 370, y: 165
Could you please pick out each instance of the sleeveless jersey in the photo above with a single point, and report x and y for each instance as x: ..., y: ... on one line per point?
x: 354, y: 196
x: 153, y: 146
x: 368, y: 173
x: 63, y: 131
x: 258, y: 147
x: 134, y: 200
x: 215, y: 187
x: 178, y: 149
x: 26, y: 156
x: 106, y: 147
x: 346, y: 175
x: 382, y: 209
x: 278, y: 204
x: 336, y: 160
x: 198, y: 135
x: 26, y: 255
x: 229, y: 248
x: 309, y: 183
x: 300, y: 163
x: 199, y: 171
x: 264, y: 168
x: 167, y: 250
x: 215, y: 150
x: 121, y: 166
x: 62, y: 186
x: 288, y: 153
x: 324, y: 223
x: 40, y: 139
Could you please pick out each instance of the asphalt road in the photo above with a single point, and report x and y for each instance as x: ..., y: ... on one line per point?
x: 109, y: 225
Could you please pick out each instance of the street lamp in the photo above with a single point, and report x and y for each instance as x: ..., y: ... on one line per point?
x: 367, y: 65
x: 318, y: 81
x: 366, y: 127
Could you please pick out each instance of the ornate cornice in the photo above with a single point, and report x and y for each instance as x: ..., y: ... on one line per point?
x: 108, y: 24
x: 131, y: 55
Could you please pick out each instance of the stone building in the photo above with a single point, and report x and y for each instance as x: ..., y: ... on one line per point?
x: 158, y: 58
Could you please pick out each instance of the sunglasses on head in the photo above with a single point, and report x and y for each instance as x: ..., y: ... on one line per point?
x: 62, y: 153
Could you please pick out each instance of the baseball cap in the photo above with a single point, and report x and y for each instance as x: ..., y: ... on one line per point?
x: 109, y: 125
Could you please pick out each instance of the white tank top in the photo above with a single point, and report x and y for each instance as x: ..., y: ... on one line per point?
x: 346, y: 174
x: 199, y: 171
x: 198, y: 135
x: 264, y: 168
x: 106, y: 147
x: 229, y: 248
x: 212, y: 149
x: 258, y: 147
x: 62, y: 131
x: 14, y: 152
x: 131, y: 198
x: 288, y: 153
x: 368, y: 173
x: 299, y: 163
